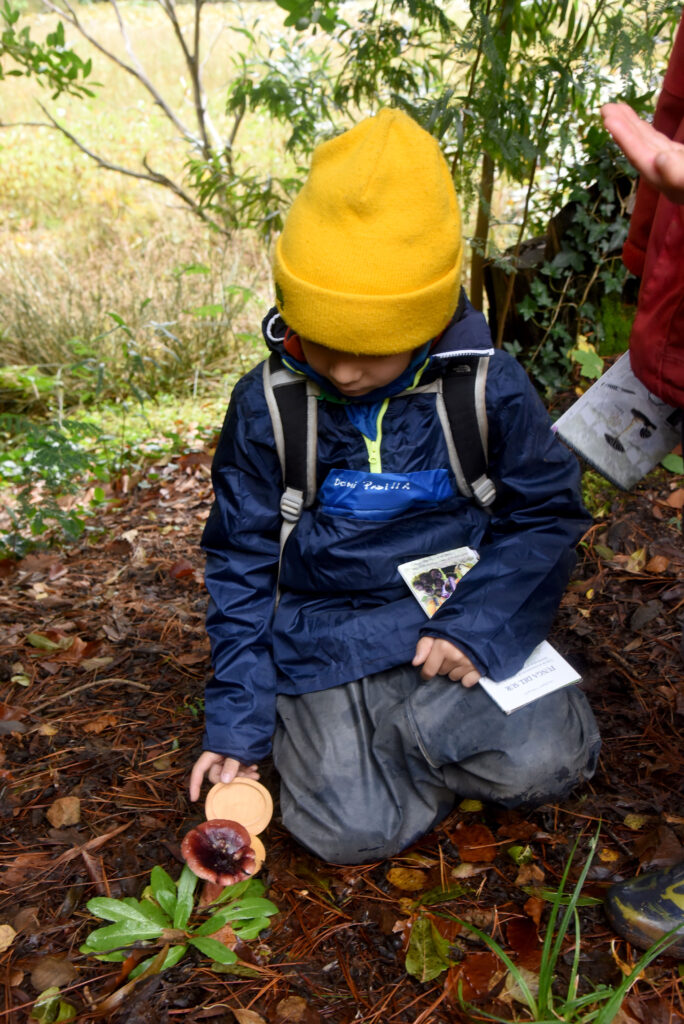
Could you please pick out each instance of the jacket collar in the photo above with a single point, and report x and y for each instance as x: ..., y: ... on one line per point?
x: 466, y: 335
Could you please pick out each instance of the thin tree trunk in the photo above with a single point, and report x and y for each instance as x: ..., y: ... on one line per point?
x: 481, y: 232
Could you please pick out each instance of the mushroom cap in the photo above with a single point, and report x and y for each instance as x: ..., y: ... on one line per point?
x: 219, y: 851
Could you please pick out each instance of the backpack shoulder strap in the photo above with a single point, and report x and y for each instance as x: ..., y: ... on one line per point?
x: 293, y: 406
x: 463, y: 414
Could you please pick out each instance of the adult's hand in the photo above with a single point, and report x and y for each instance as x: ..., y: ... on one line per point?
x: 656, y: 157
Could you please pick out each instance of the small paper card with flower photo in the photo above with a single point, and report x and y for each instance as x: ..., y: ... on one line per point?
x: 434, y: 578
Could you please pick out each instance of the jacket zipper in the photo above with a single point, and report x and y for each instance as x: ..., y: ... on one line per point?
x: 373, y: 447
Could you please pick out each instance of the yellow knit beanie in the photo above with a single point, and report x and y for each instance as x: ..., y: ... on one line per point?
x: 369, y: 260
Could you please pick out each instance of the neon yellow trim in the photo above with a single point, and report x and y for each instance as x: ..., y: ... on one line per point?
x: 418, y: 374
x: 373, y: 447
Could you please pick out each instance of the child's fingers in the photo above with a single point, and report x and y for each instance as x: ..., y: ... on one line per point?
x: 203, y: 764
x: 470, y: 678
x: 435, y: 663
x: 226, y: 770
x: 423, y: 648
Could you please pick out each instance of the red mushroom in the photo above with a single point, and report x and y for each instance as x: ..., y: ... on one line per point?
x: 219, y: 851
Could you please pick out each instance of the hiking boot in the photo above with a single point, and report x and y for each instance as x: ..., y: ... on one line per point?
x: 644, y: 909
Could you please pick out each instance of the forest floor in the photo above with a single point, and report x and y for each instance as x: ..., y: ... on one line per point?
x: 103, y: 659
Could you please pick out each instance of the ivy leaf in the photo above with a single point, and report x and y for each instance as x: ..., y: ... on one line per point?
x: 186, y: 888
x: 527, y: 308
x: 214, y: 949
x: 426, y: 956
x: 590, y: 362
x: 674, y: 463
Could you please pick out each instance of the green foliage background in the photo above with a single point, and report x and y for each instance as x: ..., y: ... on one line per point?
x: 510, y: 89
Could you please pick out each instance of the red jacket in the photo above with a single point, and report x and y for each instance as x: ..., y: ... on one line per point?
x: 654, y: 251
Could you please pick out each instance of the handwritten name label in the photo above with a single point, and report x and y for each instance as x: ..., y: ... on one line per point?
x: 369, y: 485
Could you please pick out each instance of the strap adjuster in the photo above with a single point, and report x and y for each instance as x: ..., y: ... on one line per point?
x: 484, y: 490
x: 291, y: 505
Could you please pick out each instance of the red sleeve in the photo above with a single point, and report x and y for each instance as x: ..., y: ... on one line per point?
x: 669, y: 117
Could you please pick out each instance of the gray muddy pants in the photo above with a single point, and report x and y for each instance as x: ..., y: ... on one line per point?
x: 369, y: 767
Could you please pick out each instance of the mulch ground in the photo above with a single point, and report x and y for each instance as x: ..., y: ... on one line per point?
x: 103, y: 659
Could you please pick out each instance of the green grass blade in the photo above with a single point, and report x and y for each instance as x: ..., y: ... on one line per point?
x: 610, y: 1010
x: 551, y: 950
x: 574, y: 971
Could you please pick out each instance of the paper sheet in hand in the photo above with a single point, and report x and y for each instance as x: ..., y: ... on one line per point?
x: 544, y: 671
x: 619, y: 427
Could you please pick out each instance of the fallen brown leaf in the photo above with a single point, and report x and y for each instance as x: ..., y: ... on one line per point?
x: 179, y: 570
x: 52, y: 970
x: 7, y: 934
x: 676, y: 499
x: 534, y: 907
x: 248, y: 1017
x: 529, y: 874
x: 295, y: 1010
x: 475, y: 843
x: 11, y: 714
x: 93, y: 844
x: 66, y: 810
x: 478, y: 975
x: 101, y: 723
x: 657, y: 564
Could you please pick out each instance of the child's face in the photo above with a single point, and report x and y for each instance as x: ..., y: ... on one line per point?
x: 351, y: 374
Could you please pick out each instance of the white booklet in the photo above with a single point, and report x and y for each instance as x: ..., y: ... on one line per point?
x: 434, y: 578
x: 544, y: 671
x: 619, y: 427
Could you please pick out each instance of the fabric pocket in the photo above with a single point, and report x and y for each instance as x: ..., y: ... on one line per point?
x: 382, y: 496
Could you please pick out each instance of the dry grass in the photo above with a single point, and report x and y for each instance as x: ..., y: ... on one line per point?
x: 79, y: 242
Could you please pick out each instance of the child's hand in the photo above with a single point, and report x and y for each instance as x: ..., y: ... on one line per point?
x: 218, y: 769
x: 441, y: 658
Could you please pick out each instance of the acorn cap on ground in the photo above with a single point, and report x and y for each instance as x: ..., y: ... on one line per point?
x: 242, y: 800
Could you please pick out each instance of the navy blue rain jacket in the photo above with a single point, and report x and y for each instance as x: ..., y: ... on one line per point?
x: 344, y: 610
